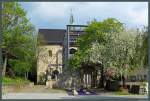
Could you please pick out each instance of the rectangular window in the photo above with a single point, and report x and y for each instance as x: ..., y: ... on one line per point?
x: 50, y: 53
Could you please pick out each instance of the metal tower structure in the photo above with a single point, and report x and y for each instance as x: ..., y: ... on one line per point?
x: 73, y: 32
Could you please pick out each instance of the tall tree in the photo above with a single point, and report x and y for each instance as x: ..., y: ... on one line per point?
x: 18, y: 37
x: 140, y: 58
x: 109, y: 43
x: 96, y: 33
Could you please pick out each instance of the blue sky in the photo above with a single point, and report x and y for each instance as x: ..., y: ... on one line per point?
x: 56, y: 14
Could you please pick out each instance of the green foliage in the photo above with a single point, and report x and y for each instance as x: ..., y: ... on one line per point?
x: 115, y: 53
x: 98, y: 34
x: 120, y: 51
x: 20, y: 67
x: 140, y: 58
x: 122, y: 93
x: 75, y: 61
x: 16, y: 81
x: 111, y: 44
x: 19, y: 38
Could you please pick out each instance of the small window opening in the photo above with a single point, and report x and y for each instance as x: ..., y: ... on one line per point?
x: 50, y: 53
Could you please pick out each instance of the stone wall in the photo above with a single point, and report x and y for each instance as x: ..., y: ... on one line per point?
x: 49, y: 56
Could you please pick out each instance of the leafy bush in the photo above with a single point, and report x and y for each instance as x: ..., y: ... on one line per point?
x: 15, y: 81
x: 20, y: 67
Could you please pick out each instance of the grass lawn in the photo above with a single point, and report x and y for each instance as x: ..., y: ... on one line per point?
x: 15, y: 81
x: 122, y: 93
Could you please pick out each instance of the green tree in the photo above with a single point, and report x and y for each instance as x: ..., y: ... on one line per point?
x: 140, y: 58
x: 19, y: 38
x: 117, y: 52
x: 96, y: 33
x: 109, y: 43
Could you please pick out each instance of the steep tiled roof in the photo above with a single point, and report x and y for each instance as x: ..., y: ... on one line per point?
x: 52, y: 36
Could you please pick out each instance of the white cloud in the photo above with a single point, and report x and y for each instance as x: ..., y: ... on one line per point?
x: 57, y: 13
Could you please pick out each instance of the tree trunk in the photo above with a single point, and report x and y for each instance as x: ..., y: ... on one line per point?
x: 27, y: 75
x: 121, y: 79
x: 101, y: 84
x: 4, y: 65
x: 124, y: 81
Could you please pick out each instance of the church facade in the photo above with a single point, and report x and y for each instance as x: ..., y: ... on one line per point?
x: 50, y: 54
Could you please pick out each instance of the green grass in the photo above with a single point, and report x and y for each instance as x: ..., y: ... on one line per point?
x: 122, y: 93
x: 15, y: 81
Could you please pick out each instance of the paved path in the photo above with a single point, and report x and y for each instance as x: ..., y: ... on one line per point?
x: 65, y: 96
x: 33, y: 96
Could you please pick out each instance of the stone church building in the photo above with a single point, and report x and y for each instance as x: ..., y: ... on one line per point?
x: 50, y: 54
x: 56, y: 48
